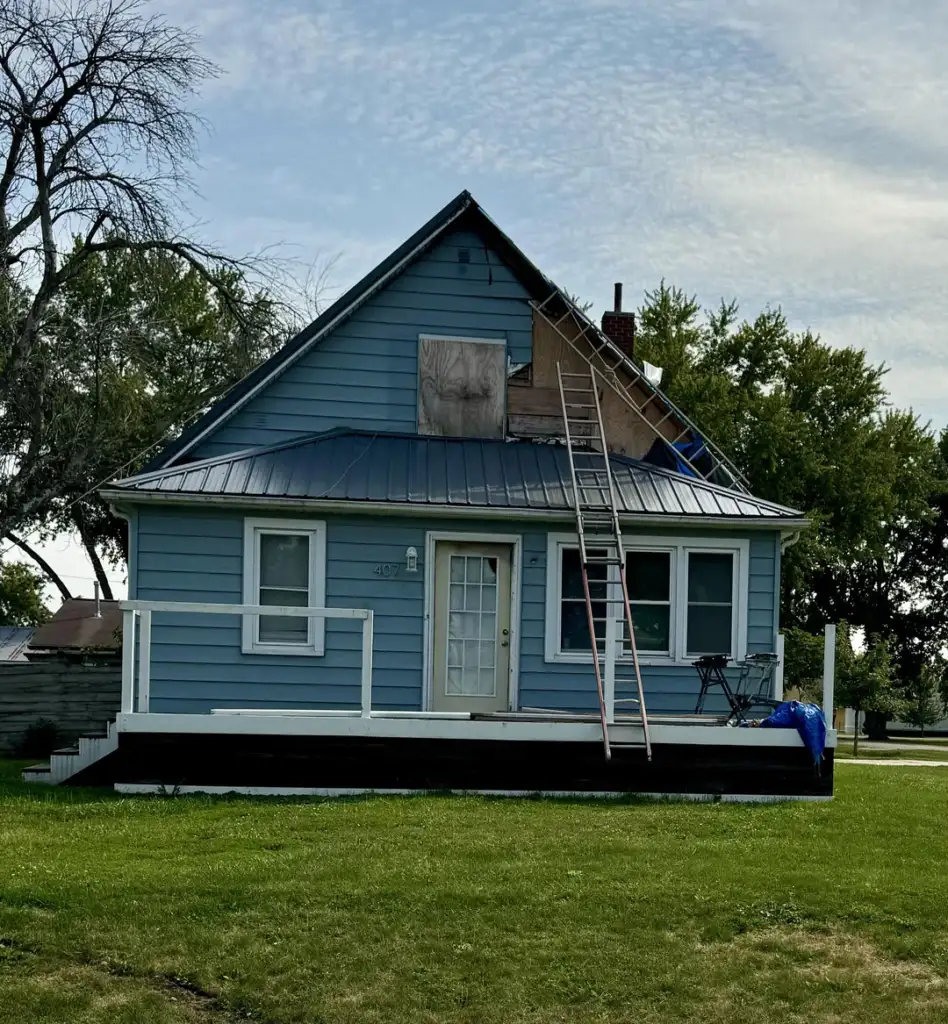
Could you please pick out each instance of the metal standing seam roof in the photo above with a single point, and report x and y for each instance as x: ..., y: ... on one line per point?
x: 379, y: 468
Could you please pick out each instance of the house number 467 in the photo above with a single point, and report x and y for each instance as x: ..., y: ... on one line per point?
x: 387, y: 569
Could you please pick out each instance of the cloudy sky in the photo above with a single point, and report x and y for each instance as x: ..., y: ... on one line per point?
x: 787, y: 152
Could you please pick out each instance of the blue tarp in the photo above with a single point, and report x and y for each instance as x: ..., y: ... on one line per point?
x: 807, y: 719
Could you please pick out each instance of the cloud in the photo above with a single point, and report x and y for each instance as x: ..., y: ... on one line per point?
x: 790, y: 152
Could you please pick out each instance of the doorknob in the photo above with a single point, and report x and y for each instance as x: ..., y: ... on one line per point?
x: 505, y: 633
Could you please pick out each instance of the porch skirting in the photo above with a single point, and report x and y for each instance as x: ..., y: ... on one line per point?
x: 342, y: 763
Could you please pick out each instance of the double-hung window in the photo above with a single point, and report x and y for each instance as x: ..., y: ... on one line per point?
x: 687, y: 596
x: 284, y: 566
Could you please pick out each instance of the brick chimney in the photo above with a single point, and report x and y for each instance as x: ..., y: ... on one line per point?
x: 619, y: 327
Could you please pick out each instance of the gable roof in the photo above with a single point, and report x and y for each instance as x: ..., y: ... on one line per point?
x: 462, y: 211
x: 414, y: 472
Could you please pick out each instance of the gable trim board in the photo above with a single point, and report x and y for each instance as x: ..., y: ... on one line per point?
x: 450, y: 215
x: 542, y: 293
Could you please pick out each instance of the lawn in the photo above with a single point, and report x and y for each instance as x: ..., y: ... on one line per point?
x: 465, y: 909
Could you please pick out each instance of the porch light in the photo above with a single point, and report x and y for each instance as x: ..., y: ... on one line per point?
x: 411, y: 560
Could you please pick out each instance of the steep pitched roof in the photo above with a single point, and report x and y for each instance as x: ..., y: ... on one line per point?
x: 406, y: 470
x: 462, y: 211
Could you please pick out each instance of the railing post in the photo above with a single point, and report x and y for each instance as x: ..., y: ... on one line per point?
x: 128, y: 661
x: 367, y: 629
x: 829, y: 672
x: 144, y: 661
x: 778, y: 671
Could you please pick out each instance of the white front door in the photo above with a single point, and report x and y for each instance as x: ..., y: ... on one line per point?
x: 471, y: 670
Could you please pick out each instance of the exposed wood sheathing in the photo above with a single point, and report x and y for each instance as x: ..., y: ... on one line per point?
x: 535, y: 409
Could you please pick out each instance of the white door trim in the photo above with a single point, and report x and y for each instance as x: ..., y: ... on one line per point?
x: 516, y: 543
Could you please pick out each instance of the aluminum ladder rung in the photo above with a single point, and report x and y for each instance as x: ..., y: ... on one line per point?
x: 600, y: 544
x: 597, y: 348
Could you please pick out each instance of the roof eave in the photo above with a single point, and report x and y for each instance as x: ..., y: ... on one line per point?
x: 121, y: 496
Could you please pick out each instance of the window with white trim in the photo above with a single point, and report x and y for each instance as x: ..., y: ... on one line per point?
x: 710, y: 612
x: 688, y: 597
x: 284, y: 566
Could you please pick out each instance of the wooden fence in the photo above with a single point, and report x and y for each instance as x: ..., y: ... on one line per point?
x: 80, y: 699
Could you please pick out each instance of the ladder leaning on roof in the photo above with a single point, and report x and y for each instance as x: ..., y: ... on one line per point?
x: 600, y: 537
x: 656, y: 411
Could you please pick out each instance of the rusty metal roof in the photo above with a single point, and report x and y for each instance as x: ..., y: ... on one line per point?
x: 408, y: 469
x: 75, y: 627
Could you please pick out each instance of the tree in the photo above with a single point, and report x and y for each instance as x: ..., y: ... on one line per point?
x: 803, y: 656
x: 21, y: 596
x: 865, y: 680
x: 147, y: 344
x: 809, y: 426
x: 924, y: 704
x: 96, y: 142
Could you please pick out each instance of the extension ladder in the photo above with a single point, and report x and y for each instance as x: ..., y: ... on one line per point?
x: 601, y: 354
x: 600, y: 541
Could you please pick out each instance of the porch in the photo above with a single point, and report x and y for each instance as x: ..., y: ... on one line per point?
x: 348, y: 749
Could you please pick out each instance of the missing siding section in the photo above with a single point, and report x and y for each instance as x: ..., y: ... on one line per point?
x: 461, y: 387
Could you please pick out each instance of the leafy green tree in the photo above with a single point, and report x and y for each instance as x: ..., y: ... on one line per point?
x: 145, y: 344
x: 924, y: 704
x: 809, y: 425
x: 865, y: 681
x: 21, y: 596
x: 803, y: 656
x: 97, y: 139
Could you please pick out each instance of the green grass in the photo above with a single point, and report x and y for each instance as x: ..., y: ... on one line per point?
x: 448, y: 909
x: 879, y: 753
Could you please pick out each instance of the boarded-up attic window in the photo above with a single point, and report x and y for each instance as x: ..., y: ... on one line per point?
x: 461, y: 387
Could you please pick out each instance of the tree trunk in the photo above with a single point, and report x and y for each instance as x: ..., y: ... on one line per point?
x: 48, y: 571
x: 876, y: 723
x: 89, y: 544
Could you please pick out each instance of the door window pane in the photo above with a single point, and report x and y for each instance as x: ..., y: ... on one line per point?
x: 472, y: 626
x: 710, y: 603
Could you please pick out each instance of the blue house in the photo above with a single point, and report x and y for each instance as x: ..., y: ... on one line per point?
x: 360, y: 569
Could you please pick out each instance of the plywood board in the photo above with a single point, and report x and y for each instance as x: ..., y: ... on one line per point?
x: 461, y: 387
x: 625, y: 431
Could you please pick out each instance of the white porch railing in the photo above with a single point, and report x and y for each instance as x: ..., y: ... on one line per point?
x: 136, y: 691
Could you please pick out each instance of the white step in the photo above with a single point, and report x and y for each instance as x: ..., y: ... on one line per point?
x: 65, y: 763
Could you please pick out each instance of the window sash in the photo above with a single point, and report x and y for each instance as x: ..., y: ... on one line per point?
x: 267, y: 628
x: 678, y: 551
x: 262, y: 633
x: 696, y: 605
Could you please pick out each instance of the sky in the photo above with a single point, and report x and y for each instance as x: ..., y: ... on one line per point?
x: 788, y: 153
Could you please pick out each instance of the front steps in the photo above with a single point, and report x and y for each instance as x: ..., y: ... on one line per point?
x: 70, y: 761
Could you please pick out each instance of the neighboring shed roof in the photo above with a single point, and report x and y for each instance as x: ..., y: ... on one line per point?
x: 379, y: 469
x: 75, y: 627
x: 13, y: 640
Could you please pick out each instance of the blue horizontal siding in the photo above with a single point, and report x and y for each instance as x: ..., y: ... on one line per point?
x: 197, y: 663
x: 365, y: 374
